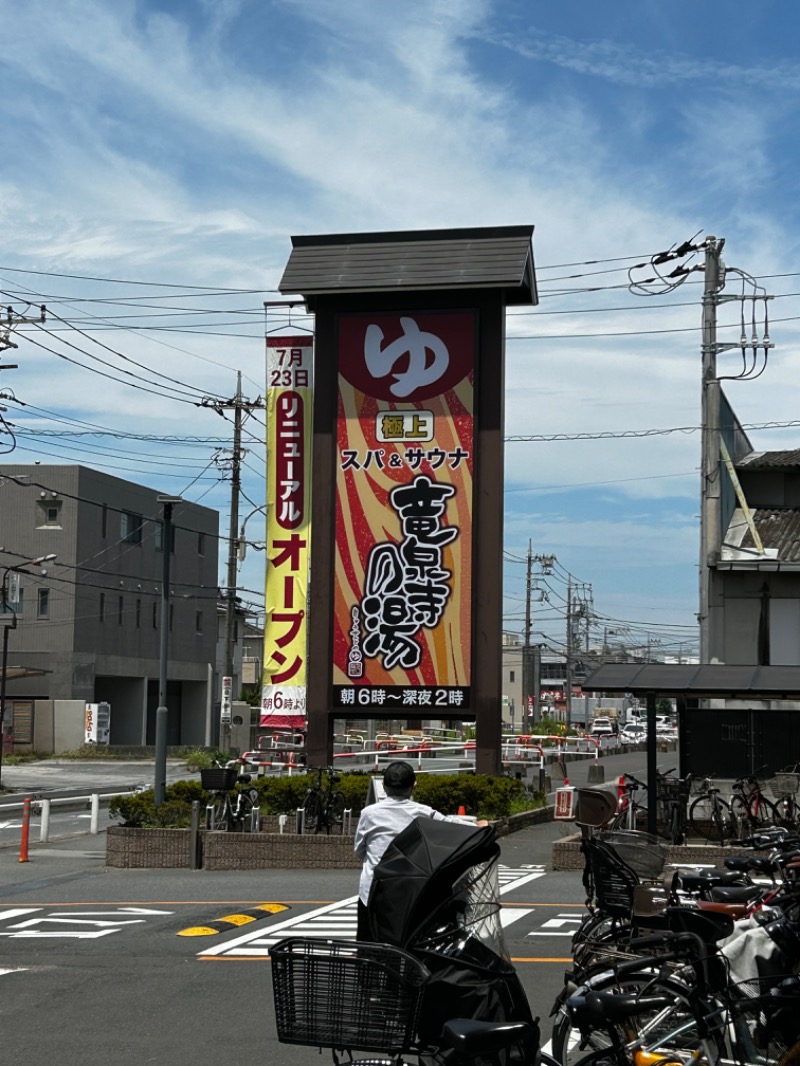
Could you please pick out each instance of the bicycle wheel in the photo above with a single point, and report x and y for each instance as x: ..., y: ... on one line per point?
x: 335, y: 814
x: 569, y: 1046
x: 751, y: 818
x: 712, y: 819
x: 217, y: 813
x: 312, y: 813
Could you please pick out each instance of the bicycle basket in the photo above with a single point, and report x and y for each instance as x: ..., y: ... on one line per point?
x: 672, y: 789
x: 643, y: 852
x: 218, y: 778
x: 353, y: 996
x: 612, y: 880
x: 785, y: 784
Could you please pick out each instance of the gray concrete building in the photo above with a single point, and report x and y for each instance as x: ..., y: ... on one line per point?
x: 88, y: 623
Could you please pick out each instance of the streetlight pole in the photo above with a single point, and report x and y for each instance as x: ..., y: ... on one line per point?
x: 20, y: 567
x: 160, y: 782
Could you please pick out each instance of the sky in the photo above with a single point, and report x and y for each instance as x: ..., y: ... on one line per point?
x: 158, y: 158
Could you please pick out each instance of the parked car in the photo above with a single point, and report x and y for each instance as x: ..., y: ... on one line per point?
x: 633, y: 733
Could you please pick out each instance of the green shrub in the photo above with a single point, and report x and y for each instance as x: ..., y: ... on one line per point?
x: 139, y: 811
x: 483, y: 795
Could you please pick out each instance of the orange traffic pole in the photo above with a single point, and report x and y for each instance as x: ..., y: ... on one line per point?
x: 26, y: 829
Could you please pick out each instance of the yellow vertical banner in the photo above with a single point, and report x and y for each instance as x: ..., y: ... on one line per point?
x: 289, y: 375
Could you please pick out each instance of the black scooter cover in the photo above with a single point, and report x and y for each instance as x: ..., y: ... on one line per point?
x: 413, y: 905
x: 417, y: 873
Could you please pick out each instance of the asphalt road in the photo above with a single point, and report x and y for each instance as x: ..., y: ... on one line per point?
x: 97, y: 966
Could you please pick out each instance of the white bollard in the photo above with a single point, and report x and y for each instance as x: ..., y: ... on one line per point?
x: 44, y: 827
x: 94, y: 824
x: 282, y: 820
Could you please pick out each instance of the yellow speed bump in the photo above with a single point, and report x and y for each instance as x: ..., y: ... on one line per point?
x: 241, y: 918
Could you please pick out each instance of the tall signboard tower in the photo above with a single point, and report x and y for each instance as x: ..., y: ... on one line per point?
x: 405, y: 607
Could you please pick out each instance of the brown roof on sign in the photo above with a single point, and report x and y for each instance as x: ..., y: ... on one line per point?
x: 485, y: 258
x: 770, y: 460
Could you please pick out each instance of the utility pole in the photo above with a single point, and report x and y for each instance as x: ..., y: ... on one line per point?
x: 568, y: 679
x: 239, y: 405
x: 710, y: 514
x: 526, y: 649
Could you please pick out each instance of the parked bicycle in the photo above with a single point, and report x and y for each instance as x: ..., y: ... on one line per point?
x: 233, y: 806
x: 324, y: 804
x: 711, y: 817
x: 671, y: 806
x: 784, y: 786
x: 631, y: 814
x: 751, y: 808
x: 672, y: 812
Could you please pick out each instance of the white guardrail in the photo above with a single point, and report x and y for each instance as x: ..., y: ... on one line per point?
x: 531, y: 749
x: 43, y: 804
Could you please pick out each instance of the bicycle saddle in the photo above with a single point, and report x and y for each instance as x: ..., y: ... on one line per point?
x: 735, y: 893
x: 711, y: 879
x: 471, y: 1038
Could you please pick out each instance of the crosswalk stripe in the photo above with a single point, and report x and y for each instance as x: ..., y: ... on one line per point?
x: 339, y: 920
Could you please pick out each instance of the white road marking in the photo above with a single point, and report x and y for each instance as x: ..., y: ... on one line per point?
x: 552, y: 927
x: 118, y: 910
x: 17, y: 912
x: 77, y: 921
x: 338, y: 920
x: 34, y: 934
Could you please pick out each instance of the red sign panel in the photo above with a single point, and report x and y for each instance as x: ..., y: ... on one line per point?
x: 403, y: 572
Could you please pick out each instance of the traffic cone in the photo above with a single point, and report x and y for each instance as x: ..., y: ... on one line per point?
x: 462, y: 809
x: 566, y: 782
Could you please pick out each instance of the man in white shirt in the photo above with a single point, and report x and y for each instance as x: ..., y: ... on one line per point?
x: 380, y: 823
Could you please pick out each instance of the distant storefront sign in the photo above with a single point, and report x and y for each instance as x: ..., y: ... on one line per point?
x: 289, y: 372
x: 403, y: 527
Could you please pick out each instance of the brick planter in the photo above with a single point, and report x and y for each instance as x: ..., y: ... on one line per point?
x: 276, y: 851
x: 148, y: 848
x: 170, y: 849
x: 269, y: 850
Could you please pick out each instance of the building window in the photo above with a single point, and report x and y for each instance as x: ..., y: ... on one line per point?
x: 155, y: 616
x: 198, y: 621
x: 511, y: 677
x: 102, y: 606
x: 138, y: 614
x: 171, y: 616
x: 159, y: 538
x: 131, y: 527
x: 48, y: 514
x: 201, y: 544
x: 43, y: 603
x: 104, y: 521
x: 120, y: 610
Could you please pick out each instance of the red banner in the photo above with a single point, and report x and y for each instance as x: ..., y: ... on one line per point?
x: 403, y: 572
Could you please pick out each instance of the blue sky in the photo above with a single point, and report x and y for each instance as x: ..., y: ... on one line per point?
x: 159, y: 156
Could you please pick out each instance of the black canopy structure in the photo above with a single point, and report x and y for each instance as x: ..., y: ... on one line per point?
x: 687, y: 681
x: 707, y: 680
